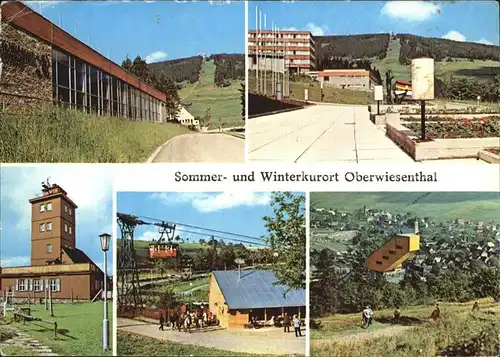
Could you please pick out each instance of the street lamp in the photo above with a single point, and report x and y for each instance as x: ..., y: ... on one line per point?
x: 105, y: 238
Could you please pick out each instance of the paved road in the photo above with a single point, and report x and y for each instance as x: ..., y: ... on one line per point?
x: 323, y: 133
x: 263, y: 341
x: 203, y: 148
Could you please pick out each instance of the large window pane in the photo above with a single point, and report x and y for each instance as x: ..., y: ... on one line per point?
x: 93, y: 81
x: 62, y: 58
x: 80, y: 103
x: 63, y: 95
x: 62, y: 75
x: 105, y: 86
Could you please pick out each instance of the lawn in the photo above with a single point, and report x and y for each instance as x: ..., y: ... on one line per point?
x: 224, y: 103
x: 188, y: 285
x: 456, y: 331
x: 79, y: 328
x: 332, y: 95
x: 53, y: 134
x: 130, y: 344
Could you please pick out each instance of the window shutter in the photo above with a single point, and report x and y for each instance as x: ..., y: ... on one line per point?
x: 17, y: 285
x: 30, y: 287
x: 58, y: 285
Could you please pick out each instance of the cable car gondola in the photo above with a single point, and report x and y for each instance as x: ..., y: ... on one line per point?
x: 163, y: 250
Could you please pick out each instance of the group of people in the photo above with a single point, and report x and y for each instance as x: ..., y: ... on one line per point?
x: 187, y: 320
x: 368, y: 314
x: 287, y: 322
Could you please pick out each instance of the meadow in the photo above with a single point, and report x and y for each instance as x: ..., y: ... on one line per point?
x: 224, y: 103
x: 456, y: 332
x: 79, y: 328
x: 52, y: 134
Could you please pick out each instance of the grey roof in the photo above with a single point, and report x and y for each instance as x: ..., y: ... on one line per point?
x: 255, y: 290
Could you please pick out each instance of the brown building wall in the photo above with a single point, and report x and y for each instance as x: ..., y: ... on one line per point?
x: 58, y: 217
x: 76, y: 286
x: 238, y: 318
x: 27, y: 70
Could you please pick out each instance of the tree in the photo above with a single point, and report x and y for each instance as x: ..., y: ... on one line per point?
x: 287, y: 238
x: 160, y: 266
x: 242, y: 96
x: 168, y: 299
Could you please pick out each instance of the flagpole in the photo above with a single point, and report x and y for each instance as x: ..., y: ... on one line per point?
x: 265, y: 57
x: 257, y: 49
x: 260, y: 64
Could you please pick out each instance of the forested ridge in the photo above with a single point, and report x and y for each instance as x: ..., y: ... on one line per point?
x: 352, y: 46
x: 179, y: 70
x: 438, y: 48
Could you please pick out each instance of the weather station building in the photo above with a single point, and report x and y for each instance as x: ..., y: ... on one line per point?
x: 42, y: 63
x: 294, y: 50
x: 56, y: 263
x: 236, y: 297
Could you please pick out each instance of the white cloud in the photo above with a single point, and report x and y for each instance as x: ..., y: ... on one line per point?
x: 16, y: 261
x: 156, y: 57
x: 316, y: 30
x: 485, y: 41
x: 454, y: 36
x: 212, y: 202
x: 89, y: 186
x: 415, y: 11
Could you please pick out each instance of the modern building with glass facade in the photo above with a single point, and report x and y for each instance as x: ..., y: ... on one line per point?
x: 43, y: 63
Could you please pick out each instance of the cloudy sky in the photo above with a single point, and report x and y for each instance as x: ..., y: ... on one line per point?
x: 233, y: 212
x: 89, y: 186
x: 474, y: 21
x: 155, y: 30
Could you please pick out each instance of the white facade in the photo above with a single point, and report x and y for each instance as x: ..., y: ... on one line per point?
x: 186, y: 118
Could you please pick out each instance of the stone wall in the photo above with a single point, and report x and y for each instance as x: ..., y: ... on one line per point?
x: 27, y: 70
x: 401, y: 137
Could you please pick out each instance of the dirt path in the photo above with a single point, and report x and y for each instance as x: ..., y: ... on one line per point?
x: 22, y: 340
x: 266, y: 341
x: 203, y: 148
x: 366, y: 334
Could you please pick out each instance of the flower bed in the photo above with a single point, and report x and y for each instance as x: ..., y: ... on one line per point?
x: 495, y: 151
x: 451, y: 117
x: 458, y: 129
x: 443, y: 147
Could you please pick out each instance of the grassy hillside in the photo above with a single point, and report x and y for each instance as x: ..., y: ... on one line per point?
x: 224, y: 104
x: 480, y: 69
x: 441, y: 206
x: 53, y: 134
x: 457, y: 332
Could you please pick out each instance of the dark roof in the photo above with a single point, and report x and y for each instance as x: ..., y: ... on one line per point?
x: 255, y: 289
x: 77, y: 256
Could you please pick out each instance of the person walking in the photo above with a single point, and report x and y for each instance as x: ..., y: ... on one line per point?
x: 475, y: 308
x: 286, y: 323
x: 296, y: 325
x: 397, y: 314
x: 162, y: 321
x: 367, y: 316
